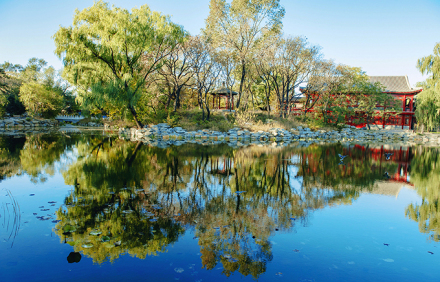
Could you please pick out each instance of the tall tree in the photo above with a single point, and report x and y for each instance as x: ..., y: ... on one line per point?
x: 241, y: 27
x: 293, y: 62
x: 206, y: 71
x: 110, y: 53
x: 431, y: 65
x: 428, y: 101
x: 227, y: 63
x: 176, y: 71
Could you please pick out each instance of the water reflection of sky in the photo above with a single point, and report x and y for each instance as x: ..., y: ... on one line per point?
x: 368, y: 239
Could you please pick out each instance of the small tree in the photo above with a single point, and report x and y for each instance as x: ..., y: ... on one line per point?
x: 41, y: 100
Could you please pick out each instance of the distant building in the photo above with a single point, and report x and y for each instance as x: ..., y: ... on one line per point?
x: 401, y: 90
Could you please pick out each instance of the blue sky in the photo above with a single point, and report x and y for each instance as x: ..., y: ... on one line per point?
x: 383, y: 37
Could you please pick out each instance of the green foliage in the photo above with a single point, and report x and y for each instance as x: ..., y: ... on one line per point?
x: 34, y: 72
x: 428, y: 101
x: 428, y: 107
x: 40, y: 100
x: 431, y: 65
x: 112, y: 52
x: 425, y: 175
x: 242, y: 28
x: 352, y: 95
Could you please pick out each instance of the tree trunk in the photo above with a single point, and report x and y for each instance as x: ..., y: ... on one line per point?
x: 133, y: 112
x: 243, y: 74
x: 267, y: 100
x: 177, y: 102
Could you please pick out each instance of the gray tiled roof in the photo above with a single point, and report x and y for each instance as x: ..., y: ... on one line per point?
x: 394, y: 83
x: 223, y: 91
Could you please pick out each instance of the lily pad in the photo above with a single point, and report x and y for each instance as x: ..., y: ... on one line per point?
x: 69, y: 228
x: 109, y: 246
x: 87, y: 246
x: 105, y: 238
x: 95, y: 233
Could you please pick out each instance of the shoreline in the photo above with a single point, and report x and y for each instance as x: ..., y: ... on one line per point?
x: 163, y: 135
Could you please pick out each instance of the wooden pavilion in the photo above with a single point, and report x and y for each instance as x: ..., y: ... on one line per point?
x: 222, y: 94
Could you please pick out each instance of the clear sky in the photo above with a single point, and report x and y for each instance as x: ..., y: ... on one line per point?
x: 383, y: 37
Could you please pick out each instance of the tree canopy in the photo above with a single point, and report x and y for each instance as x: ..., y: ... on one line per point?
x: 428, y: 101
x: 110, y: 53
x: 241, y: 27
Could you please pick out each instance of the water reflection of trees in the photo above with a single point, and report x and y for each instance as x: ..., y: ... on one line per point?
x: 140, y: 199
x: 34, y: 155
x: 425, y: 175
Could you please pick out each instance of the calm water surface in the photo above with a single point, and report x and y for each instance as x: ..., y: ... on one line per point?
x: 93, y: 207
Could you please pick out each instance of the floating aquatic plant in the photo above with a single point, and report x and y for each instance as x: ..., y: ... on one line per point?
x: 95, y: 233
x: 69, y: 228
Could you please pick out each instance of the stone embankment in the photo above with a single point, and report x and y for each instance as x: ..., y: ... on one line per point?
x: 162, y: 135
x: 22, y: 123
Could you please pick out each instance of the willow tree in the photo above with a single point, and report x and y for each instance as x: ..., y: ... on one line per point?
x: 110, y: 53
x: 428, y: 101
x: 241, y: 27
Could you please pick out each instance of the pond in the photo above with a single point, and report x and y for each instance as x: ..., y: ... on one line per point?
x: 91, y: 206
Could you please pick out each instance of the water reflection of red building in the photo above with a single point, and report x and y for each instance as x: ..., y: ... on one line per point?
x: 400, y: 155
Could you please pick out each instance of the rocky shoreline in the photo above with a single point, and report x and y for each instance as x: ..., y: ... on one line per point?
x: 163, y: 135
x: 21, y: 123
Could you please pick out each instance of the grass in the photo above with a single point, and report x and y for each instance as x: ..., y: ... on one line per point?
x: 261, y: 121
x: 191, y: 120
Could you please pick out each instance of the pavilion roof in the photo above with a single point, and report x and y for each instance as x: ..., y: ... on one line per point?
x: 223, y: 91
x: 395, y: 84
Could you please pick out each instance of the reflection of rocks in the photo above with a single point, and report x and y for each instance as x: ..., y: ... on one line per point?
x: 74, y: 257
x: 68, y: 128
x: 162, y: 135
